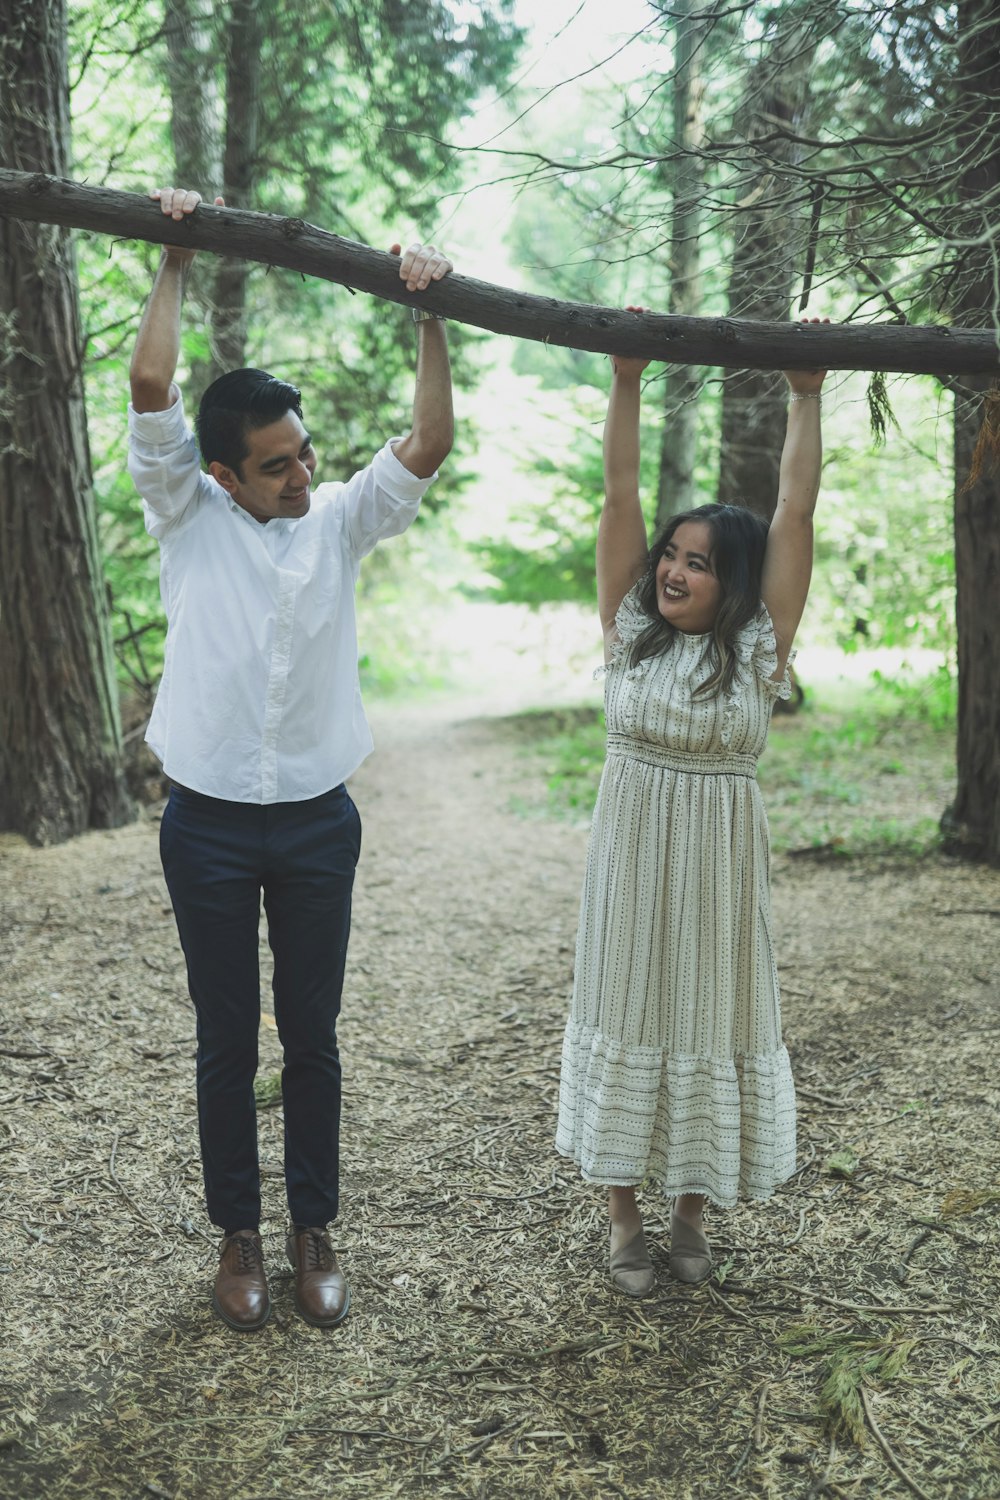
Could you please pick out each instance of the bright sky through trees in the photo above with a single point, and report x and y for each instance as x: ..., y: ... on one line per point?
x: 574, y: 49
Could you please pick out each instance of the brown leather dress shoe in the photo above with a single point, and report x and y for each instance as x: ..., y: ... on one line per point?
x: 241, y: 1297
x: 322, y: 1295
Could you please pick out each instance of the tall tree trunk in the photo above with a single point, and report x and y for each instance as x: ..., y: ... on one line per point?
x: 60, y: 737
x: 194, y: 102
x: 679, y: 440
x: 244, y: 38
x: 192, y: 50
x: 973, y: 822
x: 760, y: 285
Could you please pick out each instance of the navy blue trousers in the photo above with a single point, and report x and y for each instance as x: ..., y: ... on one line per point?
x: 217, y: 859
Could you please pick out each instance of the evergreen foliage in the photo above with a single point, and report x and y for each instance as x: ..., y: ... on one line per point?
x: 360, y: 122
x: 356, y: 98
x: 856, y: 177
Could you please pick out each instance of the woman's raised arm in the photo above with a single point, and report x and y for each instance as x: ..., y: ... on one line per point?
x: 789, y: 556
x: 622, y: 545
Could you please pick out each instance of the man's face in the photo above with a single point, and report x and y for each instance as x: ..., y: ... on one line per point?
x: 276, y: 473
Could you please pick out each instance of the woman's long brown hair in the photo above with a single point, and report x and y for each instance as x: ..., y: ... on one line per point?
x: 739, y: 539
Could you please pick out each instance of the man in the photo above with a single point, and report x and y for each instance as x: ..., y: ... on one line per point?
x: 258, y: 721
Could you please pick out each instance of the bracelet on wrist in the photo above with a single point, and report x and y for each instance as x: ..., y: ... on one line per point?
x: 421, y: 315
x: 805, y: 396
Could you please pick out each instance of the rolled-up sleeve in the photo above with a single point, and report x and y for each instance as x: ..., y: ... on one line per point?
x: 164, y: 464
x: 380, y: 501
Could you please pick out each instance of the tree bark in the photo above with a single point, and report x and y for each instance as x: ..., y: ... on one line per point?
x: 60, y: 738
x: 292, y: 243
x: 244, y: 37
x: 972, y: 824
x: 194, y: 105
x: 679, y: 438
x: 195, y: 132
x: 754, y: 402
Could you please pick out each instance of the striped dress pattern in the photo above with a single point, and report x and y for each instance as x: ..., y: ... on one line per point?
x: 673, y: 1066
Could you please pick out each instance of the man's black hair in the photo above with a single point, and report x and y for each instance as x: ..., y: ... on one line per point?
x: 236, y: 404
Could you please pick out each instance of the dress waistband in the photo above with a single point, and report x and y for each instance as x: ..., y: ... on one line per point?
x: 682, y: 760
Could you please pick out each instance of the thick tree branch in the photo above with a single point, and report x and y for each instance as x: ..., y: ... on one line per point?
x: 298, y: 246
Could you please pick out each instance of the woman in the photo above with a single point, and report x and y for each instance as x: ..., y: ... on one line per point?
x: 673, y: 1066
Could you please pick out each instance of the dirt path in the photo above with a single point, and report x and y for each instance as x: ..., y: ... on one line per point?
x: 484, y: 1355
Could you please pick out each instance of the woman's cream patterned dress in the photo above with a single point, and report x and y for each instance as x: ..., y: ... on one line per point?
x: 673, y: 1067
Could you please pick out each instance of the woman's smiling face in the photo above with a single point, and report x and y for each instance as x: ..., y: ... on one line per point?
x: 688, y: 594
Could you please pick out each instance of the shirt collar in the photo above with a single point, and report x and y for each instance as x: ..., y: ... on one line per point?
x: 277, y: 523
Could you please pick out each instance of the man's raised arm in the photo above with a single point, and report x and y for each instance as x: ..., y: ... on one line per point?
x: 430, y: 438
x: 157, y: 345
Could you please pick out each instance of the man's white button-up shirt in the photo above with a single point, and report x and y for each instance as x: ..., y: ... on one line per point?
x: 260, y: 699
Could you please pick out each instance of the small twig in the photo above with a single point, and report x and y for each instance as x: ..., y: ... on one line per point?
x: 801, y: 1230
x: 942, y: 1228
x: 740, y: 1462
x: 474, y: 1192
x: 894, y: 1463
x: 484, y: 1362
x: 823, y: 1482
x: 477, y: 1135
x: 124, y: 1191
x: 190, y: 1228
x: 402, y: 1224
x: 636, y: 1315
x: 913, y: 1181
x: 984, y: 1351
x: 806, y: 1164
x: 716, y: 1296
x: 904, y: 1263
x: 862, y: 1073
x: 869, y: 1307
x: 364, y: 1432
x: 590, y: 1343
x: 886, y: 1307
x: 508, y: 1228
x: 490, y: 1437
x: 758, y: 1426
x: 802, y: 1093
x: 977, y: 1431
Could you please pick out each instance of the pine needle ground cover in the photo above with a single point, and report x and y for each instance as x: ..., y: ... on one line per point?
x: 847, y: 1346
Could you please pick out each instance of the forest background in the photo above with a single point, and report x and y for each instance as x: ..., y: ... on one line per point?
x: 514, y: 519
x: 759, y: 161
x: 753, y: 160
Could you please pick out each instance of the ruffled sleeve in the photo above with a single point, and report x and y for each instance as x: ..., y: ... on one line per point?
x: 765, y: 656
x: 630, y: 621
x: 756, y: 657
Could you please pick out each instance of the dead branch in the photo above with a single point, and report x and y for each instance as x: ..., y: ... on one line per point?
x: 893, y: 1461
x: 298, y: 246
